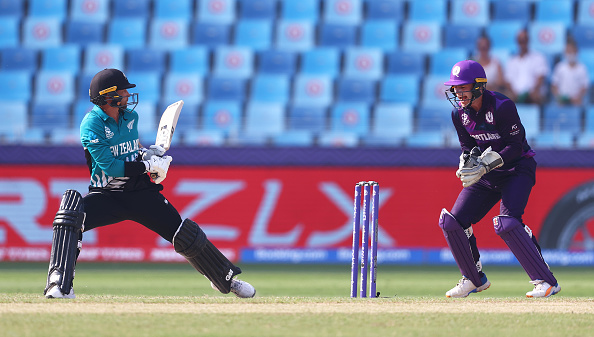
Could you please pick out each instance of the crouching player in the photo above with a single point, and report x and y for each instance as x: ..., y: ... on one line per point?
x: 496, y: 164
x: 121, y: 190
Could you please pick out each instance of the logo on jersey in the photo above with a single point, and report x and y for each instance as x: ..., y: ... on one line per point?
x: 489, y: 117
x: 130, y: 125
x: 465, y: 119
x: 108, y: 133
x: 456, y: 71
x: 93, y: 138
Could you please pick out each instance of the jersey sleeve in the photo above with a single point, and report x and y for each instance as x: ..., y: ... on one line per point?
x: 512, y: 132
x: 92, y: 134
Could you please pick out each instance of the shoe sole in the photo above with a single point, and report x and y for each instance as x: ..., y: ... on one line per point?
x: 548, y: 293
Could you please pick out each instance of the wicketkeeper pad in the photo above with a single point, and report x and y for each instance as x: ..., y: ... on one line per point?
x: 191, y: 242
x: 67, y: 228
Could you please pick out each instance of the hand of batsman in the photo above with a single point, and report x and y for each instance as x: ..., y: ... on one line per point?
x: 153, y: 150
x: 158, y: 167
x: 487, y: 161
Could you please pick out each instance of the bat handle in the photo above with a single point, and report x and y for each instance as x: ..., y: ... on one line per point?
x: 154, y: 176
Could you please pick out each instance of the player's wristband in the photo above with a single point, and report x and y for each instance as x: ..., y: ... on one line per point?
x: 134, y: 168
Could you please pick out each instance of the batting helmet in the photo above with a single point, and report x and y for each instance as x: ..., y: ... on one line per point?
x: 106, y: 83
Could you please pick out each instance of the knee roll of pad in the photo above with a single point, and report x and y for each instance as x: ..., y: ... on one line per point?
x: 191, y: 242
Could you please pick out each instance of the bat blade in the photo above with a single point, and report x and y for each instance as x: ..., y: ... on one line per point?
x: 168, y: 124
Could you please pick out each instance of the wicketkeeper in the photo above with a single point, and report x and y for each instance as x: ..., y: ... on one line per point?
x: 496, y: 164
x: 121, y: 189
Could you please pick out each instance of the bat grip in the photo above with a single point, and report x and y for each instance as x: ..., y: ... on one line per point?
x: 154, y: 176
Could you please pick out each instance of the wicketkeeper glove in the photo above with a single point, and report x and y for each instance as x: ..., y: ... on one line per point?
x: 472, y: 171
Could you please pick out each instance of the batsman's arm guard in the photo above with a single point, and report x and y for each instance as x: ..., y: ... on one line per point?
x: 191, y: 242
x: 67, y: 229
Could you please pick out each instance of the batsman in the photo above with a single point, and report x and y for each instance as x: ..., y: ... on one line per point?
x: 121, y: 189
x: 496, y: 164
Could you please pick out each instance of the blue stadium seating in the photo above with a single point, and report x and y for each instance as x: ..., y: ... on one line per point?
x: 313, y: 90
x: 293, y: 138
x: 321, y: 61
x: 100, y: 56
x: 148, y: 85
x: 83, y: 82
x: 42, y: 32
x: 339, y: 36
x: 295, y: 35
x: 277, y: 62
x: 351, y: 117
x: 223, y: 116
x: 338, y: 139
x: 364, y: 63
x: 60, y: 136
x: 385, y: 10
x: 173, y: 9
x: 303, y: 10
x: 264, y: 119
x: 585, y: 16
x: 406, y: 62
x: 89, y: 10
x: 343, y: 12
x: 393, y: 120
x: 80, y: 109
x: 257, y: 9
x: 562, y: 118
x: 442, y: 61
x: 356, y: 90
x: 84, y: 33
x: 210, y: 34
x: 554, y: 139
x: 15, y: 86
x: 254, y: 34
x: 204, y: 138
x: 237, y: 62
x: 422, y: 37
x: 142, y: 59
x: 308, y: 118
x: 585, y: 140
x: 589, y: 120
x: 433, y: 92
x: 183, y: 86
x: 168, y: 34
x: 19, y: 59
x: 127, y: 32
x: 428, y: 11
x: 547, y: 37
x: 428, y: 139
x: 382, y: 34
x: 147, y: 120
x: 400, y: 89
x: 586, y: 56
x: 54, y: 87
x: 462, y: 36
x: 56, y: 9
x: 193, y: 60
x: 470, y: 12
x: 11, y: 8
x: 225, y: 88
x: 583, y: 35
x: 270, y: 89
x: 434, y: 119
x: 511, y: 11
x: 9, y: 32
x: 530, y: 117
x: 188, y: 120
x: 131, y: 8
x: 503, y: 34
x: 14, y: 117
x: 49, y: 116
x: 554, y: 11
x: 216, y: 11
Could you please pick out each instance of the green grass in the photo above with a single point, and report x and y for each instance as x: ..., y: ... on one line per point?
x: 300, y: 300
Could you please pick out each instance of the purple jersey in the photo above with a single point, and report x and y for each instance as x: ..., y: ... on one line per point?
x: 497, y: 124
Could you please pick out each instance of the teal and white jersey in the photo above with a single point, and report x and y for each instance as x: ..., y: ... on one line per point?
x: 109, y: 145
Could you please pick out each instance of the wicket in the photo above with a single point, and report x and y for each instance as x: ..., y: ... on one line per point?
x: 370, y: 203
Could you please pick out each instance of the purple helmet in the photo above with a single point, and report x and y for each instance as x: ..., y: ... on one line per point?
x: 465, y: 72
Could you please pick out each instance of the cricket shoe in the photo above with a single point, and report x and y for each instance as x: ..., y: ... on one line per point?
x: 465, y: 287
x: 543, y: 289
x: 54, y: 292
x: 240, y: 288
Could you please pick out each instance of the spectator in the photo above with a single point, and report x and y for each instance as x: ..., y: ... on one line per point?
x: 525, y: 73
x: 490, y: 63
x: 570, y: 79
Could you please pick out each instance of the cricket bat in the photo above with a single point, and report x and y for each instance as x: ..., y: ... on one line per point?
x: 167, y: 126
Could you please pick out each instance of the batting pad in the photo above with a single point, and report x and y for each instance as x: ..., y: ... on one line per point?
x: 191, y: 242
x: 513, y: 232
x: 460, y: 246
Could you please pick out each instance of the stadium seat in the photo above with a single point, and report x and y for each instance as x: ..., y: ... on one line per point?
x: 89, y: 10
x: 511, y: 11
x: 41, y: 32
x: 385, y: 10
x: 462, y: 36
x: 225, y: 88
x: 338, y: 139
x: 306, y: 10
x: 222, y: 116
x: 264, y: 119
x: 400, y: 89
x: 131, y: 8
x: 257, y: 9
x: 49, y: 116
x: 148, y: 85
x: 188, y: 120
x: 562, y: 118
x: 67, y: 137
x: 382, y: 34
x: 270, y: 89
x: 15, y: 86
x: 422, y: 37
x: 364, y: 63
x: 554, y: 139
x: 234, y: 62
x: 100, y: 56
x: 295, y: 35
x: 433, y: 93
x: 434, y: 119
x: 470, y: 12
x: 586, y: 56
x: 343, y: 12
x: 54, y: 87
x: 589, y: 120
x: 83, y: 82
x: 253, y: 34
x: 184, y: 86
x: 503, y: 34
x: 14, y: 117
x: 139, y: 60
x: 313, y: 90
x: 147, y: 118
x: 9, y: 32
x: 428, y: 11
x: 12, y: 9
x: 352, y: 117
x: 210, y: 34
x: 216, y: 11
x: 356, y: 90
x: 293, y: 138
x: 547, y: 37
x: 321, y: 61
x: 583, y: 35
x: 428, y: 139
x: 56, y: 9
x: 339, y: 36
x: 18, y: 59
x: 193, y: 60
x: 585, y: 15
x: 405, y: 62
x: 308, y: 118
x: 280, y: 62
x: 442, y: 61
x: 393, y: 120
x: 204, y: 138
x: 168, y: 34
x: 127, y: 32
x: 530, y: 117
x: 84, y: 33
x: 585, y: 140
x: 554, y: 11
x: 173, y: 9
x: 80, y: 109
